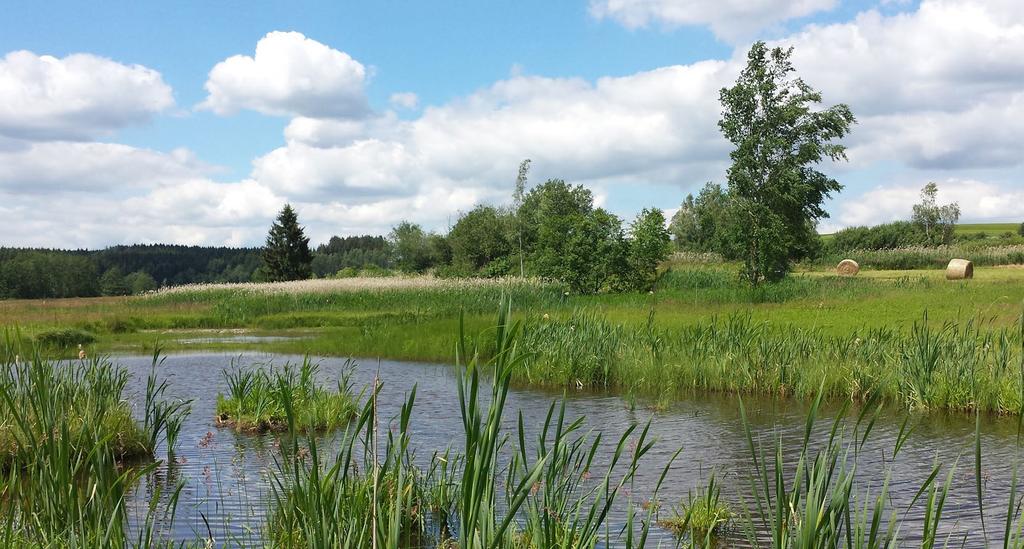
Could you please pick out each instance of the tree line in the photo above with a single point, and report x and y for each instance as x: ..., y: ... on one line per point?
x: 119, y: 270
x: 553, y: 231
x: 701, y: 225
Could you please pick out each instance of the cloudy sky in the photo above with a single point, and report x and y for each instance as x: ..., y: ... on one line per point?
x: 193, y: 123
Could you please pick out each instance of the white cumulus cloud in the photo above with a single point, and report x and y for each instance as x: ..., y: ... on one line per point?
x: 289, y: 74
x: 938, y: 92
x: 404, y: 100
x: 978, y: 200
x: 77, y: 97
x: 731, y: 20
x: 39, y: 168
x: 634, y: 128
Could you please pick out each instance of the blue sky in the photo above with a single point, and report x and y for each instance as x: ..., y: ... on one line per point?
x: 438, y: 51
x: 619, y: 95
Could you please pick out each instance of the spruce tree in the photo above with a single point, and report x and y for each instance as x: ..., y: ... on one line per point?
x: 286, y: 256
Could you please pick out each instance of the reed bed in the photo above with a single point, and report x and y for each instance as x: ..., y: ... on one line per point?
x: 820, y: 497
x: 257, y: 400
x: 72, y: 452
x: 371, y: 495
x: 320, y: 302
x: 961, y: 366
x: 811, y: 495
x: 505, y: 488
x: 355, y: 284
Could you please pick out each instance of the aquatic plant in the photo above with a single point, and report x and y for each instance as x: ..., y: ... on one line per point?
x: 72, y: 453
x: 955, y: 366
x: 256, y: 399
x: 702, y: 516
x: 371, y: 494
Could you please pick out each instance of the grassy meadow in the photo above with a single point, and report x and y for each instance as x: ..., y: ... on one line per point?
x: 911, y: 338
x: 992, y: 229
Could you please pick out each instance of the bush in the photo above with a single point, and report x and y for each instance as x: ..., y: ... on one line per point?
x: 453, y: 271
x: 899, y: 234
x: 347, y: 272
x: 503, y: 266
x: 65, y: 339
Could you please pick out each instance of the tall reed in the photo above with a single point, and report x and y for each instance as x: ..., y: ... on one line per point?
x: 962, y: 366
x: 256, y: 399
x: 489, y: 495
x: 71, y: 454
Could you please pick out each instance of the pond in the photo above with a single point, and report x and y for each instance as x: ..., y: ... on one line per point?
x: 226, y: 473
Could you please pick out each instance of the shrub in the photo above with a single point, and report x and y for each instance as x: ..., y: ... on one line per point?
x: 65, y: 338
x: 347, y: 272
x: 899, y: 234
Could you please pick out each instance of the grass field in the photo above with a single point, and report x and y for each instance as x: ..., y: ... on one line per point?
x: 990, y: 228
x: 362, y: 322
x: 701, y: 329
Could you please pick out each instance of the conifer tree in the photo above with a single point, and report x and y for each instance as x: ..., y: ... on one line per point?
x: 286, y: 255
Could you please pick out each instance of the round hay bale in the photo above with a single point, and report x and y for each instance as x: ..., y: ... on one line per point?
x: 959, y: 269
x: 848, y: 267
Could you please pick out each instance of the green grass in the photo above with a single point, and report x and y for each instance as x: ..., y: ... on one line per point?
x: 982, y: 254
x: 257, y: 401
x: 701, y: 329
x: 499, y: 491
x: 993, y: 229
x: 72, y: 452
x: 64, y: 339
x: 702, y: 516
x: 75, y: 403
x: 803, y: 493
x: 471, y: 499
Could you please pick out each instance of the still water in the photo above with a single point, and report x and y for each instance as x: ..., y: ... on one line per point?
x: 226, y: 474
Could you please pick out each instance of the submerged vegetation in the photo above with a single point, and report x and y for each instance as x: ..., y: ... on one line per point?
x: 261, y: 401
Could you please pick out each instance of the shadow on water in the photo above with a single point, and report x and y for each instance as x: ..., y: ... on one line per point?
x: 227, y: 473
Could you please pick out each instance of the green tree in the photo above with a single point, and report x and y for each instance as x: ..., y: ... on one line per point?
x: 695, y: 226
x: 549, y: 212
x: 649, y: 245
x: 780, y: 134
x: 113, y: 282
x: 411, y: 247
x: 937, y: 222
x: 1020, y: 230
x: 594, y: 255
x: 140, y: 282
x: 439, y: 249
x: 479, y: 237
x: 286, y: 255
